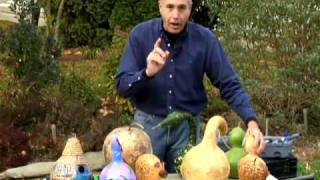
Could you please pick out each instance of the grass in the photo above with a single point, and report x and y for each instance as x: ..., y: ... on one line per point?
x: 310, y: 167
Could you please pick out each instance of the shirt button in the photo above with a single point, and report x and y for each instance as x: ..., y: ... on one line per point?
x: 170, y: 76
x: 139, y: 78
x: 129, y: 85
x: 171, y: 60
x: 170, y: 107
x: 170, y: 91
x: 168, y: 44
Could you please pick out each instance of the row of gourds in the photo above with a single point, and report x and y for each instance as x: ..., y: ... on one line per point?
x: 128, y: 154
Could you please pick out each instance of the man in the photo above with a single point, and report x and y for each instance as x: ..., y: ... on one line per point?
x: 162, y: 71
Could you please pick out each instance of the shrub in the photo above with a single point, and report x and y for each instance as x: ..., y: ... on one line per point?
x: 120, y: 105
x: 86, y: 23
x: 33, y: 58
x: 274, y: 48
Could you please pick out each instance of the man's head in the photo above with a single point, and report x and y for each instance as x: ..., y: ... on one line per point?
x: 175, y: 14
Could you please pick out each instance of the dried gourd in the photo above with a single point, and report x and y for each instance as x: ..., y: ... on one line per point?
x: 252, y: 167
x: 206, y: 160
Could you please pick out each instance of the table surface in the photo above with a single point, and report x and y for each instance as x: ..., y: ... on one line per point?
x: 177, y: 177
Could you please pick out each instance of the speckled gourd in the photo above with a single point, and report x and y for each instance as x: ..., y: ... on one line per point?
x: 206, y: 160
x: 252, y: 167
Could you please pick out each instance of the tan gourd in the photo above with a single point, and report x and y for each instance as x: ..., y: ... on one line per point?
x: 252, y: 167
x: 149, y: 167
x: 206, y: 160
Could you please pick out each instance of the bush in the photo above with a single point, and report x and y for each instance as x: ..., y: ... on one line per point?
x: 33, y: 58
x: 129, y: 13
x: 120, y: 105
x: 86, y: 23
x: 274, y: 48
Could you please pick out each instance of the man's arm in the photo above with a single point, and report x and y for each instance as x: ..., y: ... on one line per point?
x: 132, y: 77
x: 222, y: 75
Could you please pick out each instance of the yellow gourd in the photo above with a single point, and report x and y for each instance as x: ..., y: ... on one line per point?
x: 252, y: 167
x: 149, y: 167
x: 206, y: 160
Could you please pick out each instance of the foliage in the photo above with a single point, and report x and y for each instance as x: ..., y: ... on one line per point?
x: 24, y: 9
x: 129, y: 13
x: 307, y: 168
x: 274, y: 48
x: 86, y: 23
x: 79, y: 88
x: 91, y: 53
x: 123, y: 106
x: 33, y: 58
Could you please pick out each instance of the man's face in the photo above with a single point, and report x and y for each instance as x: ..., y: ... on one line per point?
x: 175, y: 14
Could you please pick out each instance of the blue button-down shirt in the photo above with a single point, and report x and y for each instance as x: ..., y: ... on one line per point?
x: 179, y: 85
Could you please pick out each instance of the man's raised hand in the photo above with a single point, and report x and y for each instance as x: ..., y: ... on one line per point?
x: 156, y: 59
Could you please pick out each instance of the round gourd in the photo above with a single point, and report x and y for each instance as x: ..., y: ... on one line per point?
x: 252, y: 167
x: 236, y: 136
x: 134, y: 142
x: 148, y: 166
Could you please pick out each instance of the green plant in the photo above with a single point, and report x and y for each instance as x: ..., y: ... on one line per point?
x: 33, y: 58
x: 129, y: 13
x: 86, y: 23
x: 78, y: 88
x: 91, y: 53
x: 111, y: 65
x: 274, y: 49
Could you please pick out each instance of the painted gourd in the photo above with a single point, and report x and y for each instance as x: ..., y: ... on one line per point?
x: 117, y: 168
x: 236, y: 152
x: 149, y: 166
x: 252, y: 167
x: 134, y: 142
x: 206, y: 160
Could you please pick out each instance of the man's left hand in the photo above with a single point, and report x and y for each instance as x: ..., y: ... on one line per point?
x: 254, y: 130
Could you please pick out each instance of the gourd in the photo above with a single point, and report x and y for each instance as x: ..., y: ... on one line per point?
x: 134, y: 142
x: 236, y: 152
x: 206, y: 160
x: 252, y: 167
x: 174, y: 119
x: 117, y: 168
x: 148, y: 166
x: 72, y: 158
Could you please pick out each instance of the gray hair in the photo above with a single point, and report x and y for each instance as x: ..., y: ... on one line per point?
x: 189, y: 2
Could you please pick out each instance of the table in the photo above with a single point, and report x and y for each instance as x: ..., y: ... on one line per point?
x: 308, y: 177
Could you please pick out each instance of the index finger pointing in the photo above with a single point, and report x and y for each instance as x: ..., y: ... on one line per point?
x: 158, y: 43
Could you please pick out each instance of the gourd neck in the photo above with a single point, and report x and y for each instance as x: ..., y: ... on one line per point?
x: 214, y: 124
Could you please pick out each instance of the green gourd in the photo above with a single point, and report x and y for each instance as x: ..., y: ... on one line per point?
x: 236, y: 152
x: 174, y: 119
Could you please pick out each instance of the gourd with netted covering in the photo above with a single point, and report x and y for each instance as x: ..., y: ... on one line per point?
x: 252, y: 167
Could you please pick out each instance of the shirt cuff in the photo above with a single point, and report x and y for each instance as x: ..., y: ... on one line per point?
x: 144, y: 75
